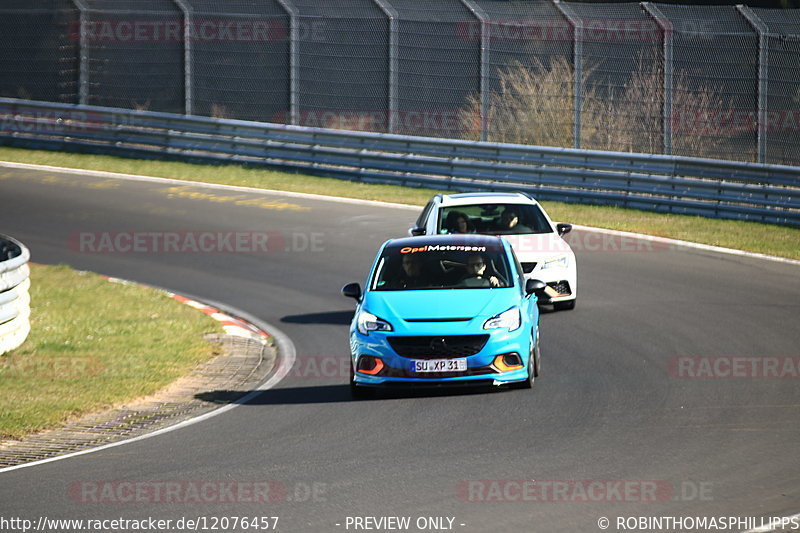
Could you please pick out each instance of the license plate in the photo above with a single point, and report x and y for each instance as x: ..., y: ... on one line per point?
x: 439, y: 365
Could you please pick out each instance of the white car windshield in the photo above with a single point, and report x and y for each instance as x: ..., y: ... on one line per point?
x: 495, y: 219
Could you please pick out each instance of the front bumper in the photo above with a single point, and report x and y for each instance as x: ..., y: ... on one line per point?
x: 397, y: 369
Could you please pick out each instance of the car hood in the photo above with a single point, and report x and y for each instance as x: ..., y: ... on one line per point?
x: 538, y: 246
x: 440, y: 304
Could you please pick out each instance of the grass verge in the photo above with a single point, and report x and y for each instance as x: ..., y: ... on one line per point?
x: 751, y: 236
x: 94, y: 345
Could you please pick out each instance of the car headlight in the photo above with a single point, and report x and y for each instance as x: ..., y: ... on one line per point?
x: 559, y: 262
x: 368, y: 322
x: 510, y: 319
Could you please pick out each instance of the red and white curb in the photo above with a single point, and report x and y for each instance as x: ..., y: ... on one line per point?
x: 231, y: 325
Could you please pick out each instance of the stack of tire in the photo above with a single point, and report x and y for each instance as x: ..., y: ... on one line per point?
x: 15, y: 302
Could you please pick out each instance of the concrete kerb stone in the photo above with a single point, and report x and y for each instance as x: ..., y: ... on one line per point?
x: 246, y: 360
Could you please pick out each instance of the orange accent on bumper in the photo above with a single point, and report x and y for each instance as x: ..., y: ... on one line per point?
x: 501, y: 366
x: 378, y: 367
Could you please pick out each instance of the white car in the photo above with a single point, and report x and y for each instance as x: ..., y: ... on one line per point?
x: 537, y: 241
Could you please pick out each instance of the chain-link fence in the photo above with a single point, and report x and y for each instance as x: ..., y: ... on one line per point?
x: 708, y: 81
x: 39, y: 58
x: 246, y: 77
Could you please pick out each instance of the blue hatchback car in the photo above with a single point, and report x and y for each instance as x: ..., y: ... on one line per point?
x: 445, y: 310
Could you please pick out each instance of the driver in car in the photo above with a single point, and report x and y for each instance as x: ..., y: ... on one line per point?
x: 476, y: 275
x: 509, y: 222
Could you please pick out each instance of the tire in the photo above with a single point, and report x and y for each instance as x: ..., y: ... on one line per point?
x: 564, y: 306
x: 534, y: 366
x: 537, y: 357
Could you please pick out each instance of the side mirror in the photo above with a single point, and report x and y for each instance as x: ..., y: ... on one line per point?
x: 563, y: 229
x: 352, y: 290
x: 415, y: 232
x: 535, y: 286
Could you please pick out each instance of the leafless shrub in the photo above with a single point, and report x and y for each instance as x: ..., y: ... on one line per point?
x: 219, y: 111
x: 535, y: 105
x: 141, y: 106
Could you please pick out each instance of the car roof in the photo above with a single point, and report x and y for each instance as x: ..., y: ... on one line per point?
x: 467, y: 239
x: 487, y: 197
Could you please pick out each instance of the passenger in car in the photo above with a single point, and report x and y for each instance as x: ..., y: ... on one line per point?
x: 458, y: 222
x: 412, y: 275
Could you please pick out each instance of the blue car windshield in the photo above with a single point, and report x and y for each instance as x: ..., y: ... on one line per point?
x: 438, y: 266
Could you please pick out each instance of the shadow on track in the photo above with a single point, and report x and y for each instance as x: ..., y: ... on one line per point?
x: 337, y: 318
x: 321, y: 394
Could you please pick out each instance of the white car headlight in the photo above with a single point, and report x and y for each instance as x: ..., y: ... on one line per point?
x: 559, y: 262
x: 510, y: 319
x: 368, y: 322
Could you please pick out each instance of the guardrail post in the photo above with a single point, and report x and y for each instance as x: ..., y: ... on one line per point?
x: 14, y: 297
x: 763, y: 64
x: 577, y: 53
x: 666, y: 27
x: 187, y: 55
x: 480, y: 14
x: 294, y: 59
x: 394, y: 69
x: 83, y: 53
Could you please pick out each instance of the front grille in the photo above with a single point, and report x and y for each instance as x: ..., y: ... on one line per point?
x: 528, y: 267
x: 438, y: 347
x: 562, y: 287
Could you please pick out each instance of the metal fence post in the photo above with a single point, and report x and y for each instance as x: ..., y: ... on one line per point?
x: 187, y: 55
x: 666, y: 27
x: 480, y: 14
x: 294, y: 59
x: 83, y: 53
x: 763, y: 64
x: 577, y: 29
x: 394, y: 44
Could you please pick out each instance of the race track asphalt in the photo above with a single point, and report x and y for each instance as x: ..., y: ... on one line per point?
x: 611, y: 429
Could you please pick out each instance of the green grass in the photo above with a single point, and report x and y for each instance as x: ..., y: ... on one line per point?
x: 93, y: 345
x: 751, y: 236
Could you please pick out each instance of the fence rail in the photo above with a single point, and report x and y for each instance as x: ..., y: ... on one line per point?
x: 14, y: 298
x: 706, y: 187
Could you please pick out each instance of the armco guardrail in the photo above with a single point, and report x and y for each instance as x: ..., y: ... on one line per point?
x: 15, y: 301
x: 707, y: 187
